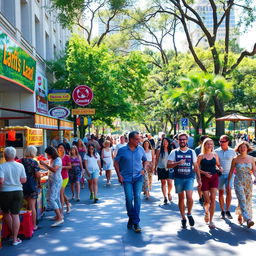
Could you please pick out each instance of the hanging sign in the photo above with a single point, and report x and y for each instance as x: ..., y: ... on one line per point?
x: 83, y: 111
x: 59, y: 112
x: 82, y: 95
x: 60, y: 96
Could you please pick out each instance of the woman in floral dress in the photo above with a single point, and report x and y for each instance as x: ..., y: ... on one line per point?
x: 244, y: 165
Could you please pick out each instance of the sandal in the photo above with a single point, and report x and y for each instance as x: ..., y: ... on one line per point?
x: 211, y: 225
x: 240, y: 219
x: 249, y: 223
x: 206, y: 217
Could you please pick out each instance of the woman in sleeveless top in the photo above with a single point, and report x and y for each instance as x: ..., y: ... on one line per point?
x: 82, y: 151
x: 244, y: 165
x: 161, y: 167
x: 208, y: 162
x: 75, y: 172
x: 107, y: 157
x: 147, y: 184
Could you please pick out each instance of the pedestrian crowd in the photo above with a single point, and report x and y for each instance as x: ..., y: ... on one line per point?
x: 135, y: 158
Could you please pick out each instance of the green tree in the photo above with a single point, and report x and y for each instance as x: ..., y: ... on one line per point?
x: 193, y: 99
x: 186, y: 12
x: 83, y: 14
x: 117, y: 81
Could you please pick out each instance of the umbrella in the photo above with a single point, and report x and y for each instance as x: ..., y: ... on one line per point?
x: 235, y: 118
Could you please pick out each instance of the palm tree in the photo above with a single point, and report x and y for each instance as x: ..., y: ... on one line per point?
x: 194, y: 97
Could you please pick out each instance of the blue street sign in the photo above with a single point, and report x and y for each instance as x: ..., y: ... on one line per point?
x: 89, y: 120
x: 184, y: 122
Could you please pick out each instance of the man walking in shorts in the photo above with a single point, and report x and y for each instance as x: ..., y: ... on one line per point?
x: 129, y: 165
x: 226, y: 154
x: 183, y: 161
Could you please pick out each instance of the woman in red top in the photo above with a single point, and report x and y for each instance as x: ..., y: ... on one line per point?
x: 66, y: 165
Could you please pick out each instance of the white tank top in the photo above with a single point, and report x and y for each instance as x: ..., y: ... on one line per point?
x: 149, y: 155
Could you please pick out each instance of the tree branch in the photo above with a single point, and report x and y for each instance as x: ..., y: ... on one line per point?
x: 243, y: 54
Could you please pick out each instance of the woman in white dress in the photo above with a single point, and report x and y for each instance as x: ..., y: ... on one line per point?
x: 107, y: 157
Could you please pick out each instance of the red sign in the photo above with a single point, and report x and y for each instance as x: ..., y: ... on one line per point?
x: 2, y: 139
x: 82, y: 95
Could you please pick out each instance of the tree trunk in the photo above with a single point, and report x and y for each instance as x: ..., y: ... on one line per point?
x: 219, y: 112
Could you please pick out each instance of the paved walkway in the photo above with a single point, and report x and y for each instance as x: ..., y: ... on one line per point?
x: 100, y: 229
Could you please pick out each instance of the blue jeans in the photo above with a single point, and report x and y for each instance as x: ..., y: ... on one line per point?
x: 132, y: 192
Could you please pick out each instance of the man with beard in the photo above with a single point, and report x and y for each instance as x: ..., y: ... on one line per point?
x: 183, y: 161
x: 129, y: 165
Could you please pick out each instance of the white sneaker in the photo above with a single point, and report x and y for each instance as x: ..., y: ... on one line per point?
x: 18, y: 241
x: 108, y: 183
x: 57, y: 223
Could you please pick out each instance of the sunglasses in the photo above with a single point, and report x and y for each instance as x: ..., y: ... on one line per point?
x: 182, y: 139
x: 223, y: 141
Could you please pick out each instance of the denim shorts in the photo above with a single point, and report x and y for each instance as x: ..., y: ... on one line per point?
x: 93, y: 175
x: 183, y: 184
x: 223, y: 181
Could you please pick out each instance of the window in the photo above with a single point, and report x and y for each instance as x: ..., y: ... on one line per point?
x: 25, y: 24
x: 8, y: 10
x: 47, y: 46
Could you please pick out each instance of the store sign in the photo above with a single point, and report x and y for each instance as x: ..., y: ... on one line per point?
x: 46, y: 122
x: 35, y: 137
x: 41, y: 89
x: 60, y: 96
x: 83, y: 111
x: 16, y: 64
x: 82, y: 95
x: 59, y: 112
x: 66, y: 125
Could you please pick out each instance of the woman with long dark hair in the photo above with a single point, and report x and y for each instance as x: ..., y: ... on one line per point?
x: 162, y: 170
x: 148, y: 176
x: 54, y: 183
x: 66, y: 166
x: 93, y: 169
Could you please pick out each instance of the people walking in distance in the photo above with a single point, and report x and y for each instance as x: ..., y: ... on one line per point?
x: 191, y: 141
x: 184, y: 162
x: 162, y: 169
x: 121, y: 144
x: 151, y: 140
x: 92, y: 169
x: 209, y: 165
x: 66, y: 166
x: 244, y: 165
x: 198, y: 151
x: 129, y: 165
x: 225, y: 154
x: 107, y: 157
x: 148, y: 177
x: 54, y: 183
x: 82, y: 151
x: 75, y: 173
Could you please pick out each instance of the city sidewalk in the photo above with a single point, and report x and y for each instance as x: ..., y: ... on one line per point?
x: 100, y: 229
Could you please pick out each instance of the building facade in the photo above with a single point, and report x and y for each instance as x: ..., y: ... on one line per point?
x: 30, y: 35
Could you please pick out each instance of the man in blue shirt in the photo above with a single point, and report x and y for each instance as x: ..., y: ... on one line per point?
x: 129, y: 165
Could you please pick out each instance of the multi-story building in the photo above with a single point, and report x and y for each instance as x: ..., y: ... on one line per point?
x: 204, y: 9
x: 30, y: 35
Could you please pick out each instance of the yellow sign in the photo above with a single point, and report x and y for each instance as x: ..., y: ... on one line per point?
x: 35, y: 137
x: 46, y: 122
x: 59, y: 97
x: 83, y: 111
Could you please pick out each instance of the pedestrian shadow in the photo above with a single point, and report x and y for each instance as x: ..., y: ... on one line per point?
x: 138, y: 240
x: 194, y: 236
x: 169, y: 207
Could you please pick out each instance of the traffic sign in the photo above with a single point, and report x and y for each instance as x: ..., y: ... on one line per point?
x: 83, y: 111
x: 184, y: 122
x: 82, y: 95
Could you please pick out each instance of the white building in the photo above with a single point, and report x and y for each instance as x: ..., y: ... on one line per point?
x: 204, y: 9
x: 30, y: 35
